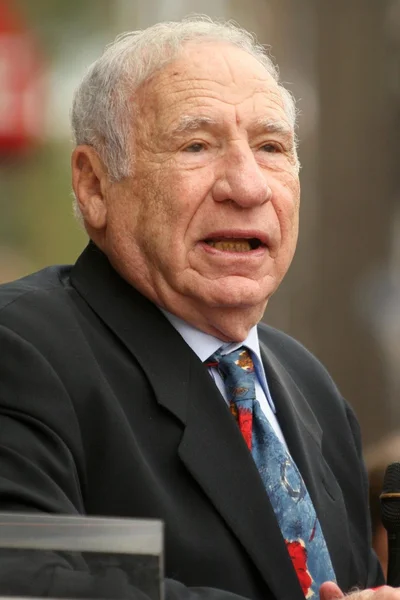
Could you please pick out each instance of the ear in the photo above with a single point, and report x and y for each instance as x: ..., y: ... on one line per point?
x: 89, y: 182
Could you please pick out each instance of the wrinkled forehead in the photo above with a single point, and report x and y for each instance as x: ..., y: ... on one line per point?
x: 223, y: 60
x: 210, y: 76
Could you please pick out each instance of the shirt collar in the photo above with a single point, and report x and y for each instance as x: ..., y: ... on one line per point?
x: 204, y: 345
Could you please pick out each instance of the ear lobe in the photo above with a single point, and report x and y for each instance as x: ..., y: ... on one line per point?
x: 89, y: 179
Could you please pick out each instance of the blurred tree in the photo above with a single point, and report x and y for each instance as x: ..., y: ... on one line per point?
x: 35, y: 199
x: 50, y: 17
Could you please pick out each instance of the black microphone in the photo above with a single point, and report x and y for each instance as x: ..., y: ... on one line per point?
x: 390, y: 511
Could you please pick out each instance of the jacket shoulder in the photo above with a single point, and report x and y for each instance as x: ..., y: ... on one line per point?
x: 35, y: 289
x: 284, y: 346
x: 304, y: 367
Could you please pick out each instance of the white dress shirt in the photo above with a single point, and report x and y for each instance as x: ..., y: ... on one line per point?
x: 204, y: 345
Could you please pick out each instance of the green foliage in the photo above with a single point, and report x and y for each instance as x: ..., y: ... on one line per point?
x: 36, y: 221
x: 38, y: 205
x: 75, y: 18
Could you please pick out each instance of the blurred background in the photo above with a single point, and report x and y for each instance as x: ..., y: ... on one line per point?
x: 342, y: 62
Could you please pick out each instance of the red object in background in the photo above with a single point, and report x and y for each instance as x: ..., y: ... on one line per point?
x: 22, y: 90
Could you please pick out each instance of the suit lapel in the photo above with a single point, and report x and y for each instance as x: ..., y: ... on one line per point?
x: 304, y: 438
x: 212, y: 447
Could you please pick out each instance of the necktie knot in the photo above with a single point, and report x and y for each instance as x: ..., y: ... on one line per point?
x: 237, y: 371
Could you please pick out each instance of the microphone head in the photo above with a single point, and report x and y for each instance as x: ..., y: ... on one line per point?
x: 390, y: 498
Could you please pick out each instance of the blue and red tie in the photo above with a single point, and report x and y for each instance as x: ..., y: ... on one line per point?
x: 290, y: 500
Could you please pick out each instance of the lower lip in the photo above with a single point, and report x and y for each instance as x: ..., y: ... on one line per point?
x: 257, y: 253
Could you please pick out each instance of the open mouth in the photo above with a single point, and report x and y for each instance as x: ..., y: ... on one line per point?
x: 235, y: 244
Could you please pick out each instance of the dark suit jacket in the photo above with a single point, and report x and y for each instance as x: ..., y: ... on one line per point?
x: 104, y: 410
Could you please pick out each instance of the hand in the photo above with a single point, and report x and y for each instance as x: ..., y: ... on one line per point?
x: 330, y: 591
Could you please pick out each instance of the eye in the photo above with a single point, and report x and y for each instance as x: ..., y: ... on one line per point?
x: 270, y: 147
x: 195, y: 147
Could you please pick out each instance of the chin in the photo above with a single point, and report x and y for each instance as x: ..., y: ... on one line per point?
x: 236, y: 293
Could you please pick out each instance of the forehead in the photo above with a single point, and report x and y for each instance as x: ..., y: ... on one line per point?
x: 212, y: 77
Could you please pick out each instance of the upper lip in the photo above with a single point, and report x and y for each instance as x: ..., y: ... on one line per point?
x: 238, y: 234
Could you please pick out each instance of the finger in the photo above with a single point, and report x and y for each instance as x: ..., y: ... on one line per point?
x: 386, y: 592
x: 330, y: 591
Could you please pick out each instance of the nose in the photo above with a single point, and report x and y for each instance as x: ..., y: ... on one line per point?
x: 241, y: 179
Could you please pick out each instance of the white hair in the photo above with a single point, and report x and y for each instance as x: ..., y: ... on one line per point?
x: 102, y: 114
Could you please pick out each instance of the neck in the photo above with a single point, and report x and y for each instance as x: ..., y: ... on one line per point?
x: 226, y: 324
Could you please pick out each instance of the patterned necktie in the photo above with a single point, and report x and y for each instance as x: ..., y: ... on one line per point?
x: 290, y: 500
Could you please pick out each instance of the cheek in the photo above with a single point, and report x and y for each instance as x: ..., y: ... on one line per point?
x: 287, y: 205
x: 287, y: 211
x: 287, y: 214
x: 165, y: 216
x: 184, y: 199
x: 121, y: 213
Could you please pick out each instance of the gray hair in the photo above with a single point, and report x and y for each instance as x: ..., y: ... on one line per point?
x: 102, y: 107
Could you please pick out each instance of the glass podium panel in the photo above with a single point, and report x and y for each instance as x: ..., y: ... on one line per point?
x: 80, y: 557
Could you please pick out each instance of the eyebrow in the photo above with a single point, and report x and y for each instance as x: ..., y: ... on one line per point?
x: 193, y: 123
x: 268, y: 125
x: 272, y: 126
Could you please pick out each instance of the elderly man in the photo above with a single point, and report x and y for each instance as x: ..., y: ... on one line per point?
x: 138, y: 382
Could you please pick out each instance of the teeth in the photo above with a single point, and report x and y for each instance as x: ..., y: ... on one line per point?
x: 231, y: 245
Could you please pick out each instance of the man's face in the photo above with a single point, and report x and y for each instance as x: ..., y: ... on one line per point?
x: 207, y: 225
